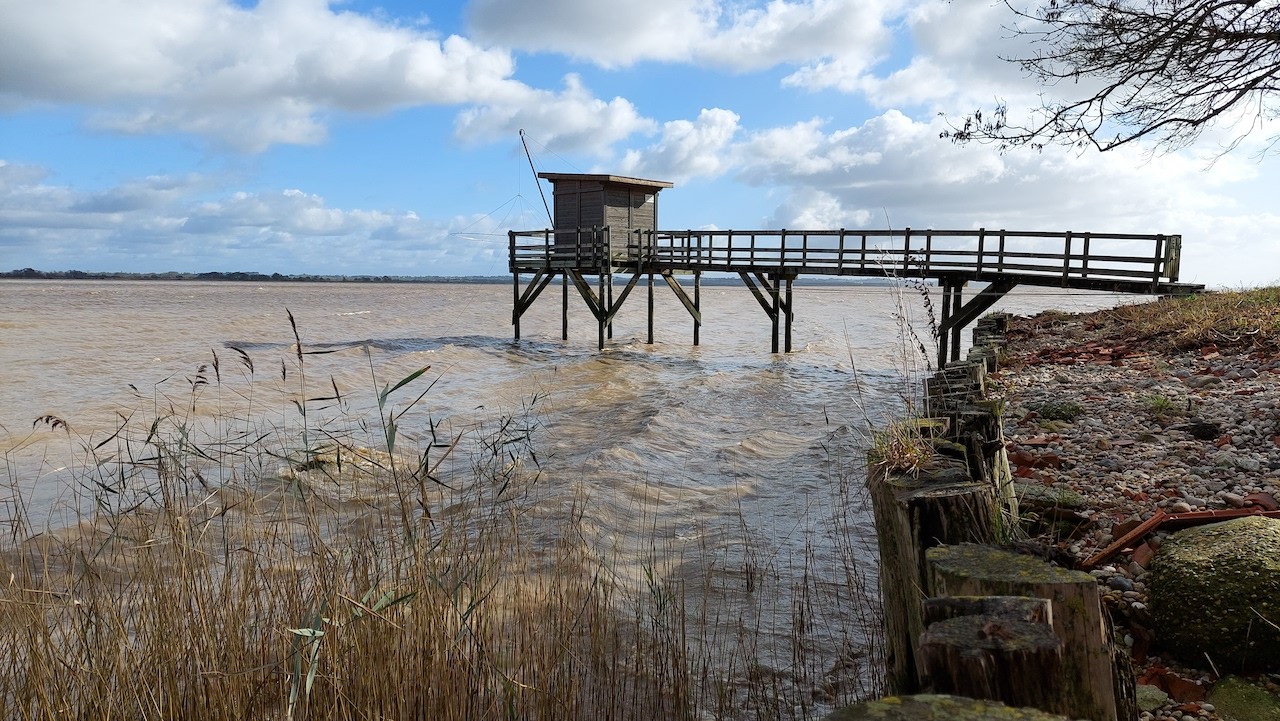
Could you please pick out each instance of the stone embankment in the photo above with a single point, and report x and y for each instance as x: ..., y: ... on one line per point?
x: 1104, y: 433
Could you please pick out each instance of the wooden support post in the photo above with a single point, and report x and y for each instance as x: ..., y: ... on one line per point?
x: 957, y: 302
x: 773, y: 315
x: 650, y: 340
x: 690, y: 304
x: 516, y: 310
x: 957, y: 316
x: 790, y: 314
x: 943, y: 335
x: 987, y: 657
x: 602, y: 316
x: 697, y: 307
x: 914, y: 513
x: 564, y: 305
x: 610, y: 326
x: 1093, y: 683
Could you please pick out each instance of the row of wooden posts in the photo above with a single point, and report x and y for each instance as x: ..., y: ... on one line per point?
x: 963, y: 615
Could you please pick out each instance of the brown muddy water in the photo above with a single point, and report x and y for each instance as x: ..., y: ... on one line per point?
x: 729, y: 462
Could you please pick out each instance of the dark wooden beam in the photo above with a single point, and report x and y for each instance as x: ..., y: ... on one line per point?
x: 685, y: 300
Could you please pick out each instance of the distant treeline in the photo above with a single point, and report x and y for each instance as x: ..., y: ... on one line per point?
x: 252, y: 277
x: 33, y: 274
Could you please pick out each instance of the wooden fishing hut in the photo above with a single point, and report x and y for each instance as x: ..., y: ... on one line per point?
x: 596, y: 213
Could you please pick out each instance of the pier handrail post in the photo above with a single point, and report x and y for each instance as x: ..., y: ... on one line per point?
x: 1084, y: 258
x: 928, y: 250
x: 511, y: 242
x: 604, y: 246
x: 782, y: 247
x: 1173, y: 257
x: 1066, y: 259
x: 1159, y: 256
x: 906, y: 251
x: 982, y: 243
x: 862, y: 256
x: 840, y: 257
x: 1000, y: 257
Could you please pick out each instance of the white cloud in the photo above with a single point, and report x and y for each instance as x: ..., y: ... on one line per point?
x: 687, y: 149
x: 251, y: 78
x: 734, y: 35
x: 572, y: 119
x: 956, y: 61
x: 163, y: 223
x: 610, y: 34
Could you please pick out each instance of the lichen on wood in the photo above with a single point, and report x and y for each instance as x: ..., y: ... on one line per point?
x: 938, y: 707
x: 1092, y: 684
x: 993, y: 658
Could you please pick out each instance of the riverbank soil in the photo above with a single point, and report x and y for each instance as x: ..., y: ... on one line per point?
x: 1119, y: 416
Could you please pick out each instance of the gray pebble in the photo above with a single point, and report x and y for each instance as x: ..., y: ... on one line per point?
x: 1120, y: 583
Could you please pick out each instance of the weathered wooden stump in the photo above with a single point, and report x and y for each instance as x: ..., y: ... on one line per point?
x: 930, y: 707
x: 1008, y: 608
x: 913, y: 514
x: 992, y: 658
x: 1093, y: 683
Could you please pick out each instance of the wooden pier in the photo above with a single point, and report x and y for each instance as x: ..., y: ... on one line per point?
x: 769, y: 261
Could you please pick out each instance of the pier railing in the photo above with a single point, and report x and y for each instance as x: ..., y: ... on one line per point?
x: 584, y: 249
x: 980, y: 253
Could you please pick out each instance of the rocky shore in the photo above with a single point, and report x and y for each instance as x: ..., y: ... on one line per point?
x: 1110, y: 424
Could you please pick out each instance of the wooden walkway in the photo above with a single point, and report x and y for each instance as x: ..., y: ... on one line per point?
x: 768, y: 261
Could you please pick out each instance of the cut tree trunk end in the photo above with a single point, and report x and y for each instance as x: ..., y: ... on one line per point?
x: 1092, y: 683
x: 993, y: 658
x: 930, y: 707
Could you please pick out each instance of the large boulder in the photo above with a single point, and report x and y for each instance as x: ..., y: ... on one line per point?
x: 1216, y: 589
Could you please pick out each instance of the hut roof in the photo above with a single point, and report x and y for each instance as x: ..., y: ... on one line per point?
x: 619, y: 179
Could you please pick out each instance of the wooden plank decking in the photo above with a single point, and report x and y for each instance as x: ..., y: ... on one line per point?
x: 769, y: 260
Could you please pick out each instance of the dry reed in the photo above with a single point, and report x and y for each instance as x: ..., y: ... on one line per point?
x: 220, y: 565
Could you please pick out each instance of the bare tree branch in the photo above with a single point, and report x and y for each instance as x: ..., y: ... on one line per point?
x: 1164, y: 71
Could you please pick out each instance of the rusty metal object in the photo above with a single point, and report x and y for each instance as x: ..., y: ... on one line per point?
x: 1160, y: 520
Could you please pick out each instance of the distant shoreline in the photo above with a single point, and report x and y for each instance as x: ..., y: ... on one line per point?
x: 254, y: 277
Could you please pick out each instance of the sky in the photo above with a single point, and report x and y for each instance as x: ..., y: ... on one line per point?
x: 379, y: 137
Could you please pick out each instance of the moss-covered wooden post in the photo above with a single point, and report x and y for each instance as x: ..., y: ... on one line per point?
x: 912, y: 514
x: 1093, y: 683
x: 986, y: 656
x: 936, y: 707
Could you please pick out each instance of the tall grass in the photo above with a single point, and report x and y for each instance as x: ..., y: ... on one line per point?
x: 251, y: 553
x: 1246, y: 319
